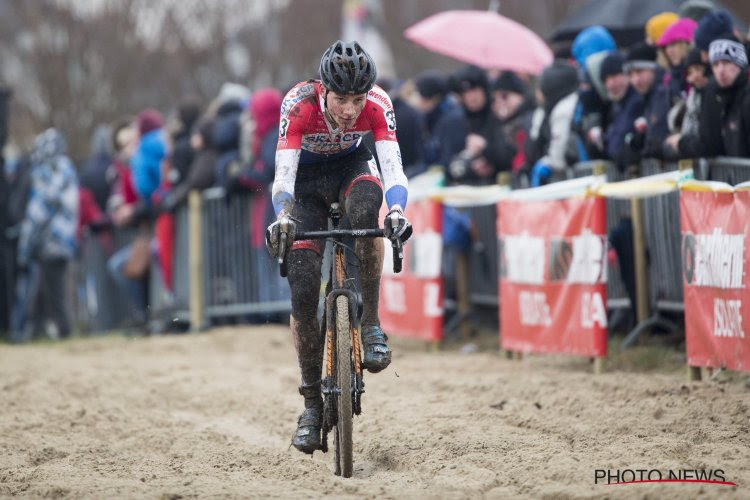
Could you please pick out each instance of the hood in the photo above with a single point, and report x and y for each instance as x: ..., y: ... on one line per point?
x: 594, y: 70
x: 590, y: 41
x: 557, y: 81
x: 48, y: 145
x: 265, y: 109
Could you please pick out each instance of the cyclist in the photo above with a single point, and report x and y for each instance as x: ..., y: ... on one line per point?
x: 320, y: 160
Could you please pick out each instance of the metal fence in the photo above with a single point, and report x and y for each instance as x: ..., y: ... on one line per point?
x: 100, y: 304
x: 238, y: 280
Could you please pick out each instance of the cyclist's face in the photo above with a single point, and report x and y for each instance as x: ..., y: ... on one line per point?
x: 345, y: 109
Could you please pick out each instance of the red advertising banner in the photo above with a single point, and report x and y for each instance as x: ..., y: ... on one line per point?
x: 553, y: 275
x: 715, y: 228
x: 411, y: 302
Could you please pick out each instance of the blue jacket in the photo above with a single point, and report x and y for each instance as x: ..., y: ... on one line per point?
x: 146, y: 163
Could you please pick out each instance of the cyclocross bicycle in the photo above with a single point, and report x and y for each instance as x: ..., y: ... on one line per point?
x: 342, y: 383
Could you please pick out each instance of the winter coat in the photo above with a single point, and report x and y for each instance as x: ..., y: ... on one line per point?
x: 735, y: 117
x: 655, y: 109
x: 408, y: 128
x: 445, y: 133
x: 146, y: 163
x: 624, y: 113
x: 551, y: 138
x: 690, y: 124
x: 517, y: 128
x: 48, y: 230
x: 708, y: 142
x: 227, y: 130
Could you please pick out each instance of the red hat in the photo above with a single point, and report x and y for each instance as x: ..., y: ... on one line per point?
x: 148, y: 120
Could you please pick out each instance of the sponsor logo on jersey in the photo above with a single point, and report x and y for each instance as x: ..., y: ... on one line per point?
x: 381, y: 98
x: 296, y: 96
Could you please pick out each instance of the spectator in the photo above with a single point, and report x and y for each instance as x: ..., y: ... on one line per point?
x: 257, y: 178
x: 128, y: 210
x: 651, y: 128
x: 188, y: 113
x: 592, y: 114
x: 716, y: 23
x: 656, y: 25
x: 151, y: 150
x: 226, y: 138
x: 514, y: 107
x: 94, y: 176
x: 675, y: 43
x: 711, y: 26
x: 202, y: 170
x: 445, y: 129
x: 729, y: 64
x: 627, y: 105
x: 689, y: 125
x: 551, y: 142
x: 408, y: 129
x: 589, y: 41
x: 486, y: 151
x: 47, y: 241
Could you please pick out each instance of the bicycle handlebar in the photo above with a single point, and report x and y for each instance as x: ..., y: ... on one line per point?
x: 397, y: 244
x: 340, y: 233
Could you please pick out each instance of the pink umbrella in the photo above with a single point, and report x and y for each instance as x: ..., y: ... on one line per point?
x: 483, y: 38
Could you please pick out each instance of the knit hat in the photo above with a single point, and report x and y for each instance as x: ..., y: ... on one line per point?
x: 431, y: 83
x: 727, y: 48
x: 712, y: 26
x: 640, y: 56
x: 680, y: 31
x: 693, y: 58
x: 611, y: 65
x: 508, y: 81
x: 148, y: 120
x: 657, y: 24
x: 470, y: 77
x: 696, y: 9
x: 590, y: 41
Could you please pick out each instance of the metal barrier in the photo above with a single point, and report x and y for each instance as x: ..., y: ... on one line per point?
x: 661, y: 238
x: 483, y: 262
x: 238, y: 280
x: 100, y: 304
x: 733, y: 171
x: 167, y: 306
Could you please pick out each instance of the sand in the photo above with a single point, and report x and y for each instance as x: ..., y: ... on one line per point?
x: 211, y: 416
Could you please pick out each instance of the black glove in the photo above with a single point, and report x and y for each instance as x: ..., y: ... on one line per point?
x: 273, y: 234
x: 396, y: 226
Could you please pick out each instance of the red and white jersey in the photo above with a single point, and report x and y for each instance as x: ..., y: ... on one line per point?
x: 306, y: 136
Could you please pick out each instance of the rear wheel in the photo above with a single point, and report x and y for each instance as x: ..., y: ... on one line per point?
x: 343, y: 434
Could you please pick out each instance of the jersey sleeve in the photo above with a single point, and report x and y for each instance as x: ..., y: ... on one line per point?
x: 383, y: 123
x: 288, y: 150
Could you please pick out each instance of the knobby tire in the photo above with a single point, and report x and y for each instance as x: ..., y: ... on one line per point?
x: 344, y: 378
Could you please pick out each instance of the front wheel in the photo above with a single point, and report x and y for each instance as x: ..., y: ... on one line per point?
x: 343, y: 436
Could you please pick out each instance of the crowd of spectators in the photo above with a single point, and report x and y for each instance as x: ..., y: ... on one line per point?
x: 681, y: 92
x: 140, y: 171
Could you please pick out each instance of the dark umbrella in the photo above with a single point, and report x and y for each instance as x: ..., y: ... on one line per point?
x: 625, y: 19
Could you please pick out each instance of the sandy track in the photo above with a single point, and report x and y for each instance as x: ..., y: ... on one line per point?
x: 211, y: 415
